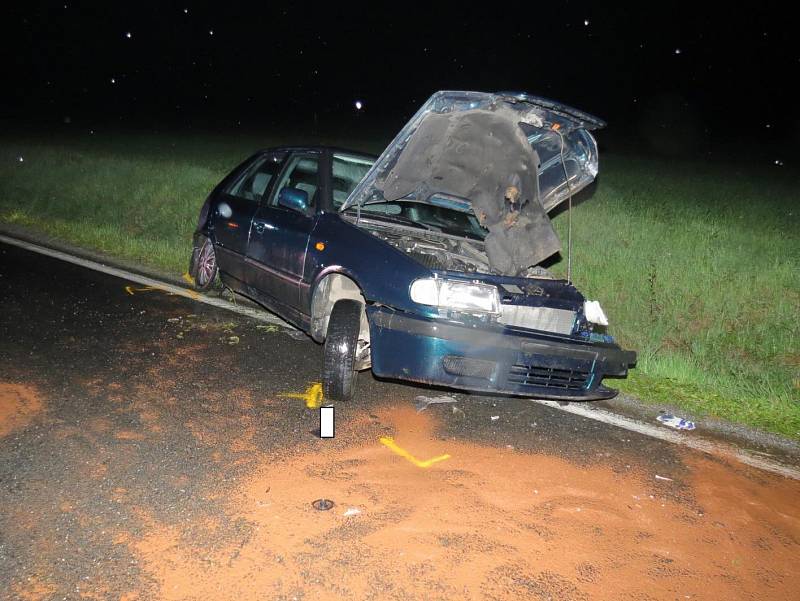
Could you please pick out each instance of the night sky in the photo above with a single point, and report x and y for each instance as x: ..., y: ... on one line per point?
x: 702, y: 74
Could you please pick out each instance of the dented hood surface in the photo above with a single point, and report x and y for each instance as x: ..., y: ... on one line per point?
x: 466, y: 150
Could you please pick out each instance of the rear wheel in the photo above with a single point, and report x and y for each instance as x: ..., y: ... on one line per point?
x: 341, y: 344
x: 206, y: 270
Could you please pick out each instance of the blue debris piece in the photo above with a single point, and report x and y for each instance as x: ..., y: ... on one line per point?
x: 673, y: 421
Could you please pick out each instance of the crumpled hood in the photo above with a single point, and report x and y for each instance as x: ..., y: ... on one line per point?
x: 466, y: 150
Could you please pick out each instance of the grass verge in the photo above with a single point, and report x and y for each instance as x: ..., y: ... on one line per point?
x: 696, y: 264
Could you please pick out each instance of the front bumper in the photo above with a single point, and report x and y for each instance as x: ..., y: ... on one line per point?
x: 437, y: 352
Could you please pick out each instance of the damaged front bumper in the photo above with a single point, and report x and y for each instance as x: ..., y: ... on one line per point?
x: 437, y: 352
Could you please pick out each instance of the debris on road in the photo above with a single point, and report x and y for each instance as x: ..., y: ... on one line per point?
x: 673, y: 421
x: 351, y: 511
x: 494, y: 418
x: 424, y: 401
x: 322, y: 504
x: 664, y: 478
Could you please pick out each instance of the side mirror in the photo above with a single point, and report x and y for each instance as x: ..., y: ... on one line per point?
x: 294, y: 199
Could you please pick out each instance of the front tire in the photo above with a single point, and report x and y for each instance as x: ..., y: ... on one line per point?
x: 206, y: 268
x: 339, y: 373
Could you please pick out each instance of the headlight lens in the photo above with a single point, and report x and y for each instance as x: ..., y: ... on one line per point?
x: 594, y: 313
x: 470, y: 297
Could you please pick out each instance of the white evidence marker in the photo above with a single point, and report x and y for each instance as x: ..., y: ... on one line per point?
x: 326, y: 422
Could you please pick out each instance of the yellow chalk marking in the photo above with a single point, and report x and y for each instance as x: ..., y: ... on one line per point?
x: 187, y: 278
x: 312, y: 396
x: 190, y: 293
x: 389, y: 442
x: 130, y: 289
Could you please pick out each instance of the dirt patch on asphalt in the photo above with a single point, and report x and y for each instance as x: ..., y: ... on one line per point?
x: 34, y: 590
x: 19, y: 404
x: 486, y: 523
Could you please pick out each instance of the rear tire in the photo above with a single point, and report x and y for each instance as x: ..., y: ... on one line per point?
x: 339, y: 373
x: 206, y: 267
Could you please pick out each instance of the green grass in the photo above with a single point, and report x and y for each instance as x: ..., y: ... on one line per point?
x: 697, y: 265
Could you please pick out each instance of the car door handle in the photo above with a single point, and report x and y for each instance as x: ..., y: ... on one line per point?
x: 259, y: 227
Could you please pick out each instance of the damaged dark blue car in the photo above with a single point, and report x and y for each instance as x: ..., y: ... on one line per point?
x: 425, y: 263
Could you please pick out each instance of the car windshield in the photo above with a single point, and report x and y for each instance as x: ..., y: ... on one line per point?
x: 426, y: 216
x: 347, y: 172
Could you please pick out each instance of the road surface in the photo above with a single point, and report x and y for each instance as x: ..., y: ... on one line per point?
x: 152, y: 447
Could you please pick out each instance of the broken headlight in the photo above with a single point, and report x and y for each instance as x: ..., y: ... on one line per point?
x: 594, y: 313
x: 469, y: 297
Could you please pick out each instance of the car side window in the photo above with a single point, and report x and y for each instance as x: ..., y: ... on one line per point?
x: 302, y: 173
x: 254, y: 182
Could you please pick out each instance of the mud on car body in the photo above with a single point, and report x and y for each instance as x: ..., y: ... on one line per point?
x: 424, y: 264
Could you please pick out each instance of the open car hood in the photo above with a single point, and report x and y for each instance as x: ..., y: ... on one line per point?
x: 464, y: 150
x: 538, y: 119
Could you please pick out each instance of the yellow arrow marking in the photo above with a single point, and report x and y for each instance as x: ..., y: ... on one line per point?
x: 190, y: 293
x: 388, y: 441
x: 131, y: 289
x: 312, y: 396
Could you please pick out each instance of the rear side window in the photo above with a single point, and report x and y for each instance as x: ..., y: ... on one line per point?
x: 255, y: 181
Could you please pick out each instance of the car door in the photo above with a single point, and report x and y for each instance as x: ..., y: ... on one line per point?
x: 279, y: 239
x: 236, y: 208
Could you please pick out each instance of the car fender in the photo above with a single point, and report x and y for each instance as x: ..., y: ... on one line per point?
x: 382, y: 273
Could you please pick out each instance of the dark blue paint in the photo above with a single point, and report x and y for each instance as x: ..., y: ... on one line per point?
x: 273, y: 258
x: 383, y: 273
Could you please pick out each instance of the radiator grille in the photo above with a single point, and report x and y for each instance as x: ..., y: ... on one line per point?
x: 545, y: 319
x: 548, y: 377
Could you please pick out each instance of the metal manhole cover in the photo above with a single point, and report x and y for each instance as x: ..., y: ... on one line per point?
x: 322, y: 504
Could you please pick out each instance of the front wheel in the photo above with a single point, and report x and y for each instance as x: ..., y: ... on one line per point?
x: 341, y: 344
x: 206, y: 268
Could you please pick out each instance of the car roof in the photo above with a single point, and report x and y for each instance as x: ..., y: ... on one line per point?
x: 301, y: 148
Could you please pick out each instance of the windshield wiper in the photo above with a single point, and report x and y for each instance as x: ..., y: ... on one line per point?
x: 400, y: 219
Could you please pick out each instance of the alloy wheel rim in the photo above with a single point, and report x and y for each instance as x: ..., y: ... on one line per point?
x: 207, y: 264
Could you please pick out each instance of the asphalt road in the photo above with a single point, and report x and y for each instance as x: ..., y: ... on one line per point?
x: 150, y: 448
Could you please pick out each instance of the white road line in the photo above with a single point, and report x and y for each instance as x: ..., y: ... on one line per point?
x: 686, y: 440
x: 693, y: 441
x: 146, y: 281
